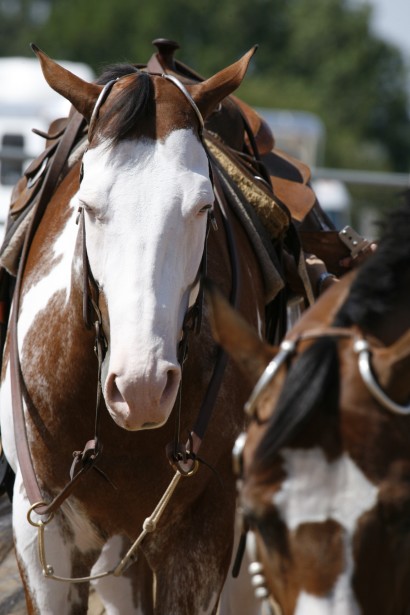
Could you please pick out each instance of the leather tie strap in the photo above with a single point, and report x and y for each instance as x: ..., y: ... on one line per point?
x: 177, y: 452
x: 208, y: 402
x: 63, y: 150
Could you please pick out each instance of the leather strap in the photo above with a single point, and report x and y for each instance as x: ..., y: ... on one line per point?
x: 63, y: 150
x: 208, y: 402
x: 177, y: 452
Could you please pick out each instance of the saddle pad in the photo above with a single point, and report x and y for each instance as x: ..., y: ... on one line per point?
x: 248, y: 200
x: 273, y: 216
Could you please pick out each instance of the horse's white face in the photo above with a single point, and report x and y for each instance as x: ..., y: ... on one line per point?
x: 146, y: 206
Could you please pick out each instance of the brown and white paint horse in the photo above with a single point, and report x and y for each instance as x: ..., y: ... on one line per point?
x: 326, y: 461
x: 145, y: 197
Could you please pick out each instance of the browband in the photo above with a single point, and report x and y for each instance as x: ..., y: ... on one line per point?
x: 188, y: 96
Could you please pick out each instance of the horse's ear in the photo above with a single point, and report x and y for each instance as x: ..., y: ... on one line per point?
x: 208, y: 94
x: 236, y: 336
x: 80, y: 93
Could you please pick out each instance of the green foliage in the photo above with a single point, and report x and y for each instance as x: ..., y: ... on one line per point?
x: 319, y: 57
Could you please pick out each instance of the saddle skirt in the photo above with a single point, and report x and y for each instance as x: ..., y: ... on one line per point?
x: 264, y: 220
x: 27, y: 191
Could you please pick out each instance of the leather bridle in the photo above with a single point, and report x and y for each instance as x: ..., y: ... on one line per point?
x: 288, y: 349
x: 182, y: 455
x: 179, y: 453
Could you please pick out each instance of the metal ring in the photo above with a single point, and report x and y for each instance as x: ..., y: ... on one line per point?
x: 187, y: 473
x: 363, y: 351
x: 286, y: 349
x: 41, y: 522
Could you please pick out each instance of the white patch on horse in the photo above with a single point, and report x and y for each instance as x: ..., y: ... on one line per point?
x: 340, y: 602
x: 6, y: 421
x: 50, y: 597
x: 145, y: 228
x: 33, y: 302
x: 314, y: 491
x: 116, y: 593
x: 57, y: 279
x: 85, y: 536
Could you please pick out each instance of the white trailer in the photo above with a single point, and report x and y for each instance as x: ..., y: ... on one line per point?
x: 26, y: 102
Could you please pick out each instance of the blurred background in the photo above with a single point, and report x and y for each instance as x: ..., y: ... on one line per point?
x: 331, y: 77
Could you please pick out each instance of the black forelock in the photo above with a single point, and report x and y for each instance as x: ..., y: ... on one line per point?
x: 130, y: 106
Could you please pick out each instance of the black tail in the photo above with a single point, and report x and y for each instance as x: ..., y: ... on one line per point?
x: 312, y: 382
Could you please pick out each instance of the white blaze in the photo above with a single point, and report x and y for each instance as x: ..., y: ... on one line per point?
x: 145, y: 238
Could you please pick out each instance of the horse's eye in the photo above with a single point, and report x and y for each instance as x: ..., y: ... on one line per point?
x: 205, y: 208
x: 90, y: 209
x: 85, y: 205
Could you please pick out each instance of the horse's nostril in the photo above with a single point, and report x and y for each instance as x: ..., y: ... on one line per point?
x: 172, y: 383
x: 113, y: 393
x: 120, y: 390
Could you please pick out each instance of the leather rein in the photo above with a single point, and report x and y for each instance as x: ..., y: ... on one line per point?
x: 183, y: 457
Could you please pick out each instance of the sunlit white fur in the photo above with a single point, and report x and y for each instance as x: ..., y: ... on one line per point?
x: 145, y: 237
x: 47, y: 595
x: 60, y: 254
x: 116, y: 593
x: 340, y: 602
x: 314, y: 491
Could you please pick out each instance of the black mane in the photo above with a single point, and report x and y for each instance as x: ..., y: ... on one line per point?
x: 383, y: 280
x: 130, y: 106
x: 311, y: 386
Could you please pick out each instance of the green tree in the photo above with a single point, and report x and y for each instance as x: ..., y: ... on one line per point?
x: 321, y: 57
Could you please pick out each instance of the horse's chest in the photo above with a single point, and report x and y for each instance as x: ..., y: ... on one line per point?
x: 320, y: 504
x: 315, y: 489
